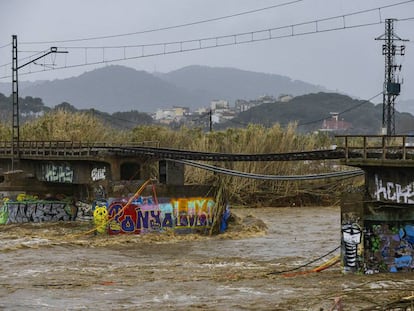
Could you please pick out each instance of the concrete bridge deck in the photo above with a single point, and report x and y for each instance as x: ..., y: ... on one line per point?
x: 70, y: 163
x: 349, y: 148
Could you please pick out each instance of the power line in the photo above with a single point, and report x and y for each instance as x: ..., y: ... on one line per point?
x: 182, y: 48
x: 290, y: 27
x: 172, y: 27
x: 27, y: 57
x: 175, y: 47
x: 342, y: 112
x: 405, y: 19
x: 324, y: 118
x: 4, y: 46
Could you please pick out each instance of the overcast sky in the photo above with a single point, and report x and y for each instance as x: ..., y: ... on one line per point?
x: 347, y: 60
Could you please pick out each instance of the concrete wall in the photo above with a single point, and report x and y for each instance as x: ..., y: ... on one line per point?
x: 171, y: 173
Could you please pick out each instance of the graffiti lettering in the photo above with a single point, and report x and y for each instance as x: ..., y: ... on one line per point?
x: 393, y: 192
x: 98, y: 173
x: 57, y: 173
x: 189, y: 213
x: 20, y: 212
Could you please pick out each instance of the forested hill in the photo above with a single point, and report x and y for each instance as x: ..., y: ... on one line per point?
x: 119, y: 88
x: 33, y: 107
x: 310, y: 110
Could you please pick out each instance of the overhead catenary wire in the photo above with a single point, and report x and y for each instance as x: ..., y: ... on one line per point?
x: 26, y: 57
x: 174, y: 47
x: 5, y: 45
x: 290, y: 27
x: 208, y: 20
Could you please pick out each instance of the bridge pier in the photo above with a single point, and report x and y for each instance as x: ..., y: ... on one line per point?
x: 171, y: 173
x: 377, y: 220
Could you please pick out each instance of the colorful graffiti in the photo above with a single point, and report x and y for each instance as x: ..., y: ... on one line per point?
x: 389, y: 247
x: 144, y: 215
x: 100, y: 218
x: 34, y: 211
x: 395, y: 192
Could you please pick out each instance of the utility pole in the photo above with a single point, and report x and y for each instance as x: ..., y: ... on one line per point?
x: 211, y: 121
x: 15, y: 98
x: 15, y: 144
x: 392, y: 85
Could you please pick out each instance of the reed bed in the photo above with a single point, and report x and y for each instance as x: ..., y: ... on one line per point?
x: 254, y: 139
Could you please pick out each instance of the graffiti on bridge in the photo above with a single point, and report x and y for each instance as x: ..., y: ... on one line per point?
x: 389, y: 247
x: 142, y: 216
x: 395, y: 192
x: 61, y: 173
x: 98, y: 173
x: 351, y: 239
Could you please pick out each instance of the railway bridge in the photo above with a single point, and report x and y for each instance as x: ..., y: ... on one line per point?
x: 74, y: 167
x: 377, y: 220
x: 82, y: 167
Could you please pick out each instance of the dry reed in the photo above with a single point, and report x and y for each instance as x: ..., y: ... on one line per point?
x: 254, y: 139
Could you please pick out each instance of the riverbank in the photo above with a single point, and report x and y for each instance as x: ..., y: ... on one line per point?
x: 54, y: 266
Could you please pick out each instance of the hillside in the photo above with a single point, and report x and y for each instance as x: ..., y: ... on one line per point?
x: 232, y: 84
x: 31, y: 108
x: 310, y: 110
x: 118, y: 88
x: 405, y: 105
x: 110, y: 89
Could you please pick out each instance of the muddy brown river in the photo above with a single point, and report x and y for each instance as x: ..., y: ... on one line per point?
x: 57, y: 266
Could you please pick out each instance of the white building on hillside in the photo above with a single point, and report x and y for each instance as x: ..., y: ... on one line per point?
x: 219, y: 104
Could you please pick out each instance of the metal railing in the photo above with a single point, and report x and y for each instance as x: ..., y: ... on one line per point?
x: 65, y: 148
x: 398, y: 147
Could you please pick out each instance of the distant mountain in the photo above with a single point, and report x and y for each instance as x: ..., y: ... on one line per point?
x: 310, y: 110
x: 231, y: 84
x: 405, y: 106
x: 110, y: 89
x: 6, y: 88
x: 118, y: 88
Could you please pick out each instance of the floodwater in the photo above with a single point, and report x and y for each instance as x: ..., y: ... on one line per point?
x: 60, y: 266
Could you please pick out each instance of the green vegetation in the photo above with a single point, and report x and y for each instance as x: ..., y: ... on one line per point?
x: 310, y: 110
